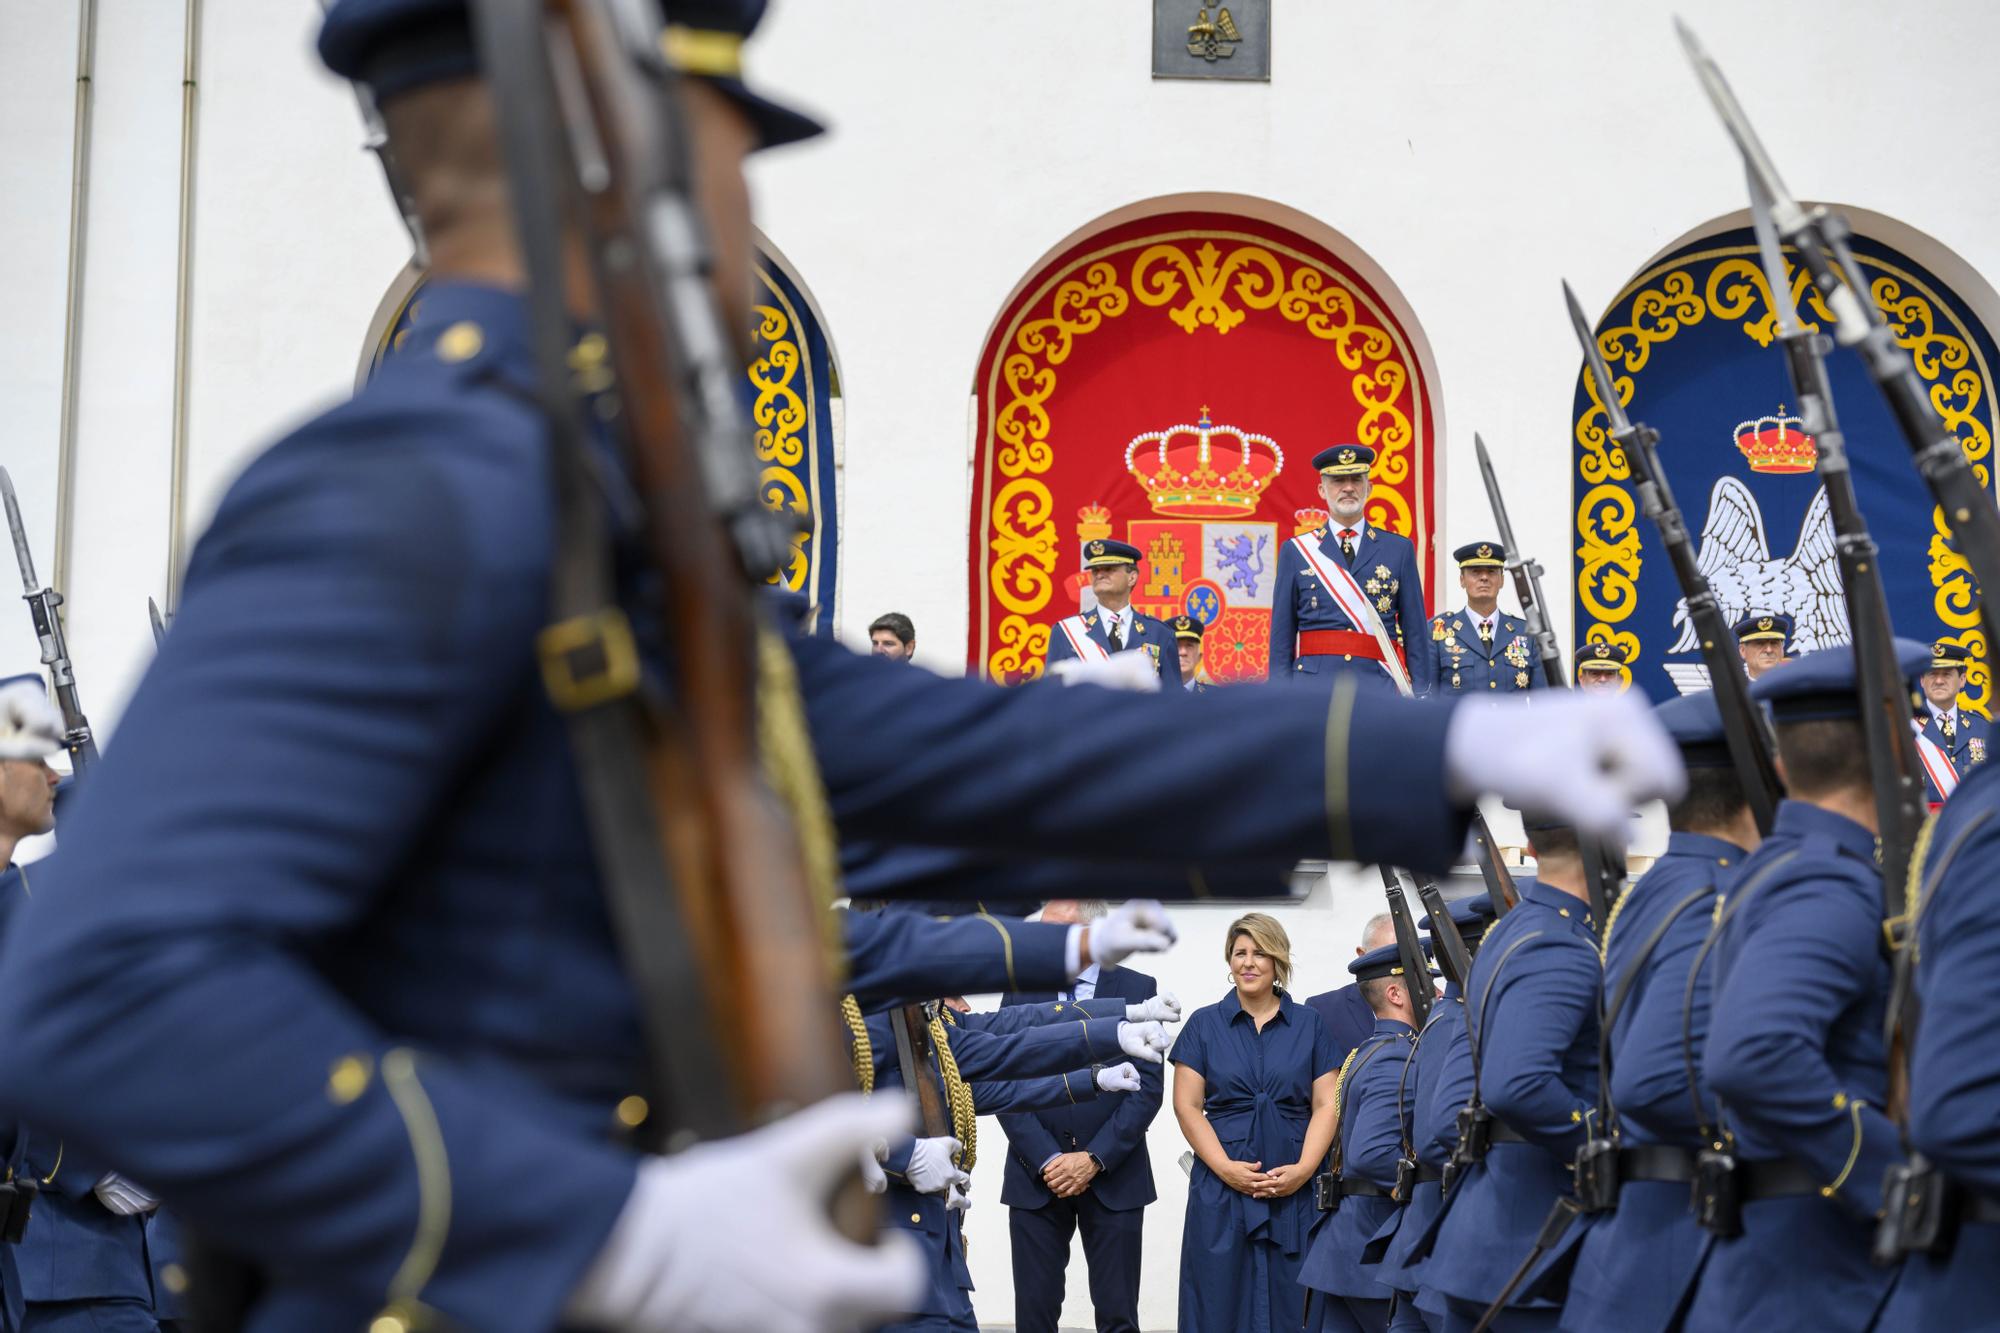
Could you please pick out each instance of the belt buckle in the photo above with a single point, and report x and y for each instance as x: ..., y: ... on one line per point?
x: 588, y: 660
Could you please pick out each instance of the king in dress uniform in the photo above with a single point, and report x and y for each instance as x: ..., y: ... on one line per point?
x: 1336, y: 584
x: 1116, y: 626
x: 1482, y: 649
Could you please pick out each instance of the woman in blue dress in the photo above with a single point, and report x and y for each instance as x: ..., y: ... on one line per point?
x: 1253, y: 1091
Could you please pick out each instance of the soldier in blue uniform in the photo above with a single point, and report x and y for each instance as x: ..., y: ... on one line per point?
x: 1954, y: 1055
x: 1083, y: 1170
x: 1317, y: 626
x: 1763, y: 638
x: 1343, y: 1290
x: 1116, y: 626
x: 1638, y: 1262
x: 1963, y: 735
x: 331, y: 917
x: 1344, y: 1012
x: 1600, y: 667
x: 1795, y: 1050
x: 1531, y: 1014
x: 1187, y: 639
x: 1440, y: 1075
x: 1482, y: 649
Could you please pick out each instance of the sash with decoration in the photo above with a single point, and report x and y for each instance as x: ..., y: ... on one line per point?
x: 1943, y: 773
x: 1078, y: 634
x: 1354, y: 604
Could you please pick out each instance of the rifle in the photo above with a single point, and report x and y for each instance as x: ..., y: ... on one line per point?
x: 158, y: 622
x: 1492, y: 868
x: 1409, y: 949
x: 1453, y: 954
x: 1744, y: 729
x: 43, y: 603
x: 914, y: 1057
x: 705, y: 803
x: 1603, y: 867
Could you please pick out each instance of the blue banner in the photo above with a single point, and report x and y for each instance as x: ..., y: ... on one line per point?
x: 792, y: 382
x: 1693, y: 350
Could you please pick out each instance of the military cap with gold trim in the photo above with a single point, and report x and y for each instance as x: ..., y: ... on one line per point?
x: 1345, y: 460
x: 1376, y: 963
x: 394, y: 46
x: 1187, y: 627
x: 1103, y: 551
x: 1601, y: 656
x: 1480, y: 555
x: 1950, y: 657
x: 1821, y: 686
x: 1764, y: 625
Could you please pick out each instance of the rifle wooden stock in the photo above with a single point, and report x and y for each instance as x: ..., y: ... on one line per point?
x: 914, y: 1056
x: 1492, y: 868
x: 1452, y: 953
x: 1409, y: 948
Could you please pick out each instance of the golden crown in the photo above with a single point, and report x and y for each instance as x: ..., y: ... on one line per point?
x: 1184, y: 478
x: 1307, y: 520
x: 1777, y: 444
x: 1093, y: 521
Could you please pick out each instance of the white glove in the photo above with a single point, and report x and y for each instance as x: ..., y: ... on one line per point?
x: 1585, y: 759
x: 1139, y: 926
x: 957, y: 1199
x: 30, y: 726
x: 1144, y: 1041
x: 931, y: 1167
x: 1119, y: 671
x: 735, y: 1235
x: 1162, y: 1008
x: 1118, y: 1078
x: 122, y: 1197
x: 872, y: 1176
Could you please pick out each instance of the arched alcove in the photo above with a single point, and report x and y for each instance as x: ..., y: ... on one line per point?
x: 1691, y: 339
x: 1164, y: 376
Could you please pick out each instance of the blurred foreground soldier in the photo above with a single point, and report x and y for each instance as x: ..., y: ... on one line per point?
x: 893, y: 636
x: 1795, y: 1050
x: 1954, y: 1087
x: 1962, y: 735
x: 1343, y: 1290
x: 1187, y: 641
x: 1083, y: 1169
x: 1763, y: 638
x: 1638, y: 1261
x: 1334, y: 585
x: 1482, y: 650
x: 1600, y: 668
x: 1116, y: 626
x: 329, y: 962
x: 1531, y: 1013
x: 1345, y: 1013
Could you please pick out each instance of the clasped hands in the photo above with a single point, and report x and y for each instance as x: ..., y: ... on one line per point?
x: 1252, y: 1179
x: 1069, y: 1174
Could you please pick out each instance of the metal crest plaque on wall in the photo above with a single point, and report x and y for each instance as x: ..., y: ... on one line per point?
x: 1192, y: 40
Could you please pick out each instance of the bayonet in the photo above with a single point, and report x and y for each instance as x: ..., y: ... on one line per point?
x: 159, y: 623
x: 44, y: 606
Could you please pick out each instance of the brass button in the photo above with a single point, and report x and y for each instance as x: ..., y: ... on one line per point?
x: 1562, y: 911
x: 460, y: 342
x: 1347, y: 657
x: 388, y: 1323
x: 1492, y: 684
x: 632, y: 1112
x: 916, y: 1217
x: 174, y: 1278
x: 349, y: 1079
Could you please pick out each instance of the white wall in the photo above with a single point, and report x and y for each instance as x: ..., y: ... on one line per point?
x: 1475, y: 153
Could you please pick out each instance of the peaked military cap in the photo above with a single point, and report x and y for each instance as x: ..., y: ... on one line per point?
x: 1468, y: 914
x: 1950, y: 656
x: 394, y: 46
x: 1764, y: 625
x: 1821, y: 685
x: 1104, y: 551
x: 1479, y: 555
x: 1377, y: 963
x: 1345, y: 460
x: 1601, y: 656
x: 1187, y: 627
x: 1695, y: 724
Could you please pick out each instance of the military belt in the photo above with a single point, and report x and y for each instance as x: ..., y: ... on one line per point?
x: 1328, y: 1189
x: 1981, y: 1208
x: 1656, y: 1161
x: 1502, y: 1132
x: 1338, y: 643
x: 1782, y: 1179
x: 1428, y: 1174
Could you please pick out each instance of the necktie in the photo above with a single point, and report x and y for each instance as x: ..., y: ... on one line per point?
x: 1486, y: 632
x: 1111, y: 632
x: 1347, y: 545
x: 1945, y: 725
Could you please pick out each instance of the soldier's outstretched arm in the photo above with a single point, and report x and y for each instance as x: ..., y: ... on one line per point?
x: 1015, y: 1096
x: 898, y: 956
x: 873, y: 869
x: 1036, y: 1052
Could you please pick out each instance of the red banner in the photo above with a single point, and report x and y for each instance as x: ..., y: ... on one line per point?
x: 1166, y: 382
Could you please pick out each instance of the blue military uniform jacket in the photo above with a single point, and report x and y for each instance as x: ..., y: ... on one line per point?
x: 1796, y: 1057
x: 896, y: 957
x: 1150, y: 635
x: 1971, y: 735
x: 1955, y: 1052
x: 1373, y: 1114
x: 339, y: 861
x: 1345, y: 1015
x: 1385, y: 565
x: 1463, y: 664
x: 1112, y: 1127
x: 1531, y: 1012
x: 1637, y: 1262
x: 1441, y: 1082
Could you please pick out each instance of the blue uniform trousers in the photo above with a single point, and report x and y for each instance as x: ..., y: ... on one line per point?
x: 1041, y: 1238
x: 1463, y: 1317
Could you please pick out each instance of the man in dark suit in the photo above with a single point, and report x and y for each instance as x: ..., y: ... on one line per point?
x: 1343, y: 1012
x: 1083, y: 1168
